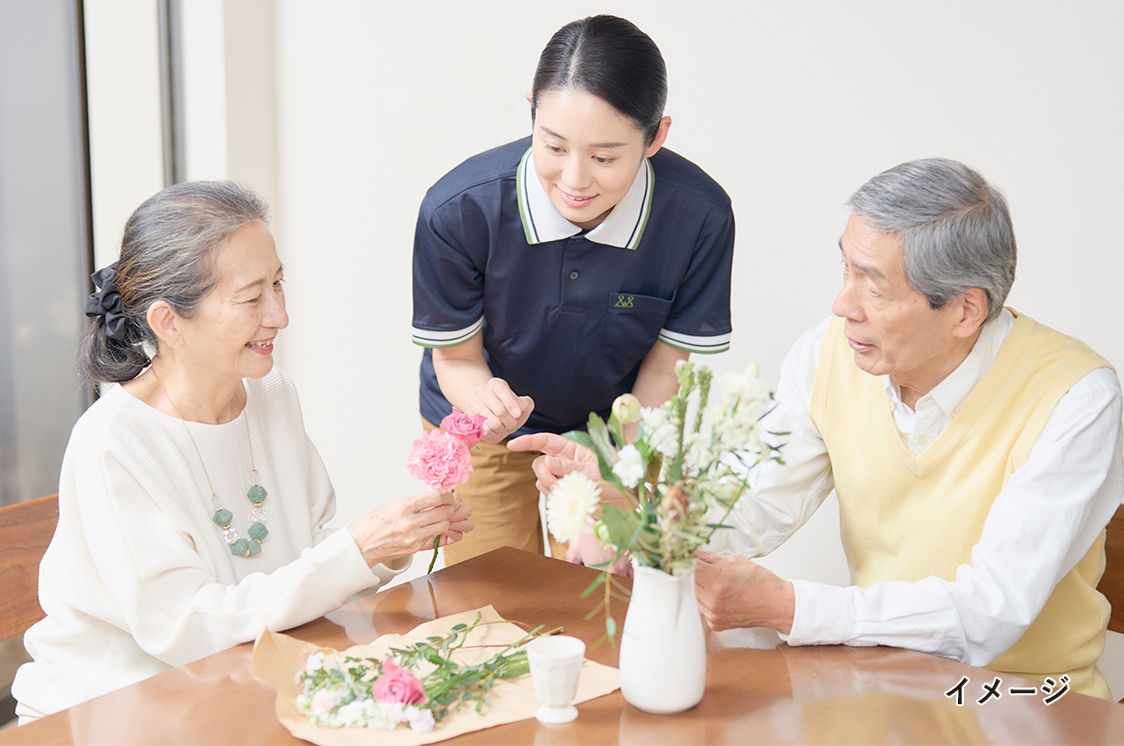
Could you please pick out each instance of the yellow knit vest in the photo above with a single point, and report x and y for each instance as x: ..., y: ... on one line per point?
x: 907, y: 517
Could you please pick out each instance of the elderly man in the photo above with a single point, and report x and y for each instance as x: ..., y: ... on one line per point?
x: 976, y: 454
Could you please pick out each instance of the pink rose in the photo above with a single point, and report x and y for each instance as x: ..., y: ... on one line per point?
x: 396, y: 684
x: 467, y: 427
x: 440, y: 460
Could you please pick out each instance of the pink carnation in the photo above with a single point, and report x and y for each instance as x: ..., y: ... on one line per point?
x: 440, y: 460
x: 467, y: 427
x: 396, y: 684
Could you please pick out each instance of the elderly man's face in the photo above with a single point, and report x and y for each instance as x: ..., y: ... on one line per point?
x: 889, y: 325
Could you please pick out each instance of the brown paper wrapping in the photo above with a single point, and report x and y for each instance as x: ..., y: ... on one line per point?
x: 278, y: 658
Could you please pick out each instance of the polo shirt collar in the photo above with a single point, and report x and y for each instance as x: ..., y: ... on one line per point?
x: 623, y: 227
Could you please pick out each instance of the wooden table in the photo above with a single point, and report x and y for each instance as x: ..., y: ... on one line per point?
x: 758, y: 689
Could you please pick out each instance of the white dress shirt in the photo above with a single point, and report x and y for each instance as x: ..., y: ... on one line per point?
x: 1038, y: 528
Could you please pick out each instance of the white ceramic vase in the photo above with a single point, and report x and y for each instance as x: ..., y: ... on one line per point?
x: 663, y: 650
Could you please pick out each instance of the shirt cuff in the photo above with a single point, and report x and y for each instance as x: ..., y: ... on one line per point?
x: 387, y: 571
x: 824, y: 615
x: 342, y: 567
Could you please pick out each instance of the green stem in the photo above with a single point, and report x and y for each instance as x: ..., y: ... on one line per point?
x: 433, y: 560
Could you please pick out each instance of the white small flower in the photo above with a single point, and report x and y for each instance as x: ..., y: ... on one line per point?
x: 382, y: 717
x: 323, y: 701
x: 420, y: 719
x: 660, y: 432
x: 352, y: 714
x: 315, y: 663
x: 629, y: 466
x: 570, y: 505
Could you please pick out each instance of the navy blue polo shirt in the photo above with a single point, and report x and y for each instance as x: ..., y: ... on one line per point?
x: 568, y: 315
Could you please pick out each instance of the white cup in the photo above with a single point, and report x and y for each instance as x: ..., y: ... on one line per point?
x: 556, y: 665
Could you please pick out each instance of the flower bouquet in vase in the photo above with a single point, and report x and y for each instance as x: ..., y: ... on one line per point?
x: 666, y: 492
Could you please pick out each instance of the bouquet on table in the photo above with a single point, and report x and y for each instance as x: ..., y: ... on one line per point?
x: 352, y: 692
x: 680, y: 477
x: 442, y: 458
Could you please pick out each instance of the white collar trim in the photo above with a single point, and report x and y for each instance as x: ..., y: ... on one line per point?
x: 623, y: 227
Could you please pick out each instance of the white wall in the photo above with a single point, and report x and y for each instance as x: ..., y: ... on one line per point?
x: 791, y: 106
x: 123, y: 90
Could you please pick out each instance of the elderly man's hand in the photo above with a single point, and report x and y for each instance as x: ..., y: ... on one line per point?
x: 735, y: 592
x: 560, y: 457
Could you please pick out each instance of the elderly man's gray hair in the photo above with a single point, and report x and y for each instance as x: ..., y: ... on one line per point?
x: 954, y: 227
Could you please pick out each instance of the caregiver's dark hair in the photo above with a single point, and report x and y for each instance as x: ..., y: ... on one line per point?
x: 612, y: 59
x: 167, y: 254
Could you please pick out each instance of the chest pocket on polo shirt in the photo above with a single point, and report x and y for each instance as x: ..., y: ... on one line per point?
x: 634, y: 324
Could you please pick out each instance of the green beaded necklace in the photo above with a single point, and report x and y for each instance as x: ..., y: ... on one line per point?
x: 223, y: 518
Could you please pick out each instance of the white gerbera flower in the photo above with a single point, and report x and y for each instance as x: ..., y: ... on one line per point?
x: 629, y: 466
x: 570, y: 505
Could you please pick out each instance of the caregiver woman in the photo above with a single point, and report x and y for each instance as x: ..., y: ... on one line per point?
x: 554, y: 273
x: 191, y: 502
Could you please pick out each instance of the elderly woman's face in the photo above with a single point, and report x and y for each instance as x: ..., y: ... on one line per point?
x: 237, y: 322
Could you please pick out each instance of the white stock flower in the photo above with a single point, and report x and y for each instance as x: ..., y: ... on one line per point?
x: 723, y: 491
x: 629, y: 466
x: 742, y: 389
x: 353, y: 713
x: 420, y: 719
x: 570, y: 505
x: 315, y: 663
x: 660, y: 432
x: 323, y: 701
x: 382, y: 717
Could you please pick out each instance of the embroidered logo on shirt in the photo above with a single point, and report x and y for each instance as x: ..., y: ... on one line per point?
x: 624, y: 301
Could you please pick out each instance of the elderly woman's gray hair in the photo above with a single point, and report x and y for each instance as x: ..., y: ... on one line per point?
x: 166, y: 254
x: 954, y: 227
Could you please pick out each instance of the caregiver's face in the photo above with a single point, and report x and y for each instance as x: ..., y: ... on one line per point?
x: 586, y: 154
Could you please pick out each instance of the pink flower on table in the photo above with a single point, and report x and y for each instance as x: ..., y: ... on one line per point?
x: 397, y: 685
x: 468, y: 427
x: 323, y: 701
x: 441, y: 460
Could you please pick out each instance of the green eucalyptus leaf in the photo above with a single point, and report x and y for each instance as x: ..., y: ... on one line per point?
x: 593, y: 586
x: 599, y: 434
x: 581, y: 437
x: 622, y: 526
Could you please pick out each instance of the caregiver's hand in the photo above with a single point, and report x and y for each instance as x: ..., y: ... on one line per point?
x: 560, y: 457
x: 408, y: 524
x: 506, y: 411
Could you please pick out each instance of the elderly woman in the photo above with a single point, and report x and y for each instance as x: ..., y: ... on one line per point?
x: 191, y: 502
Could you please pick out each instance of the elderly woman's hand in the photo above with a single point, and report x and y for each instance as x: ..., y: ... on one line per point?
x: 408, y: 524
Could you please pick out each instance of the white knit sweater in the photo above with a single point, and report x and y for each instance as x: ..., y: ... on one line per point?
x: 138, y: 579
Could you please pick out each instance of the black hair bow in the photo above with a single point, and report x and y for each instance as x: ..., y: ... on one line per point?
x: 107, y: 302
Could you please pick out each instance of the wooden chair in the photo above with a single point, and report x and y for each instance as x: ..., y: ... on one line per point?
x: 25, y: 531
x: 1112, y: 584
